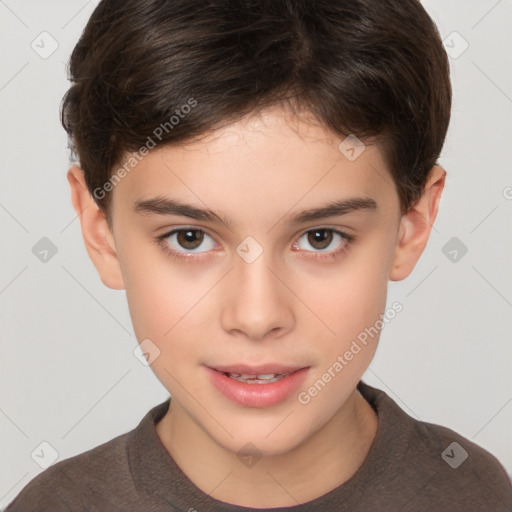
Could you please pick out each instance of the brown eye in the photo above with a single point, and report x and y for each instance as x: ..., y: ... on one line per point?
x: 186, y: 244
x: 189, y: 238
x: 323, y: 243
x: 320, y: 238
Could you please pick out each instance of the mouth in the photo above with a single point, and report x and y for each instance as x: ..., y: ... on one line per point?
x: 256, y: 379
x: 257, y: 386
x: 257, y: 374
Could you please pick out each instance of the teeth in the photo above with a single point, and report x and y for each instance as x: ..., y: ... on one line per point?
x: 257, y: 379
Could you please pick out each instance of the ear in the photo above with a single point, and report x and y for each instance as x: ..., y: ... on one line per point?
x: 99, y: 240
x: 415, y: 226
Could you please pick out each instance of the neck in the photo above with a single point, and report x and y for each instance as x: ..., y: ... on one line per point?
x: 327, y: 459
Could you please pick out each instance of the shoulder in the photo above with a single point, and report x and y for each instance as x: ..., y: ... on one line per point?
x: 425, y: 466
x: 417, y: 465
x: 80, y: 482
x: 463, y: 465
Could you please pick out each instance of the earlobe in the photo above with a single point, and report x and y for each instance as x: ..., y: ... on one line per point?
x: 98, y: 238
x: 415, y: 226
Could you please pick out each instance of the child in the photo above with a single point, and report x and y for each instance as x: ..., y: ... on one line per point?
x: 256, y: 126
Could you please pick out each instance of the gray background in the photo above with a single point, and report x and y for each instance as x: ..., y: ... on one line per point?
x: 68, y: 375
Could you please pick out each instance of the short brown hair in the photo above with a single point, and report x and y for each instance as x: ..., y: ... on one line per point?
x: 372, y: 68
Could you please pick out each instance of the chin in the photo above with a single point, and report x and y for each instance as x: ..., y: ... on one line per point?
x: 263, y: 440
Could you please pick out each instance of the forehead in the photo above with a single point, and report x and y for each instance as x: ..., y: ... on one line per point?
x: 271, y: 160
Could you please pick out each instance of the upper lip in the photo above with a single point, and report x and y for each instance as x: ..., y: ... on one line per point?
x: 259, y: 369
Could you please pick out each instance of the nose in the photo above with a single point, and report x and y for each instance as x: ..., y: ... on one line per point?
x: 256, y: 302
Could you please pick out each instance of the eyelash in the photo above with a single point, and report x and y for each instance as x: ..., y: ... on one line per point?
x: 190, y: 258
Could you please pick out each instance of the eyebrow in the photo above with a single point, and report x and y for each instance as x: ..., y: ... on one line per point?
x: 167, y: 206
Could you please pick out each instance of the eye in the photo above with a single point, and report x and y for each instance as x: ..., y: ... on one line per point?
x: 321, y: 238
x: 188, y: 239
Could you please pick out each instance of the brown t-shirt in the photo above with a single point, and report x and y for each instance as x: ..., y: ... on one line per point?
x: 411, y: 466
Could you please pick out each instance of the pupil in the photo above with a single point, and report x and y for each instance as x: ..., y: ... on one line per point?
x: 323, y: 239
x: 186, y: 239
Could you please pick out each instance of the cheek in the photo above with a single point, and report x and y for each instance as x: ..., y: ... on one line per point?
x: 352, y: 301
x: 349, y: 297
x: 158, y: 294
x: 164, y: 308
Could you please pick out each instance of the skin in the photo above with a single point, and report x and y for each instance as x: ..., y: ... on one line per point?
x: 288, y: 306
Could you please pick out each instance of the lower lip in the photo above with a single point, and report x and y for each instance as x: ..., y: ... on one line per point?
x: 257, y: 395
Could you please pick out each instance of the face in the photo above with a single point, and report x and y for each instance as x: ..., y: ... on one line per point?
x: 262, y: 285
